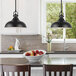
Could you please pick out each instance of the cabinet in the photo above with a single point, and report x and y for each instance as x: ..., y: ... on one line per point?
x: 29, y: 13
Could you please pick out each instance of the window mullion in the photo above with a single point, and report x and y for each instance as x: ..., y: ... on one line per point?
x: 43, y: 20
x: 64, y: 12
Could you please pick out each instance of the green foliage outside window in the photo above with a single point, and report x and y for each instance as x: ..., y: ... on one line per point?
x: 71, y: 18
x: 52, y: 13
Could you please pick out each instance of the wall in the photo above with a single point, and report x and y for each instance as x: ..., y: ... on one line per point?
x: 29, y: 13
x: 60, y: 47
x: 29, y: 42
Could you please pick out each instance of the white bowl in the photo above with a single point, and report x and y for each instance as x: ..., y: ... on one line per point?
x: 33, y: 59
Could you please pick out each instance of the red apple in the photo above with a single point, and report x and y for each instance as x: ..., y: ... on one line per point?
x: 37, y: 51
x: 28, y: 54
x: 41, y: 52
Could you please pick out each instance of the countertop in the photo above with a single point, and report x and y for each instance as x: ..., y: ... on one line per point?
x: 10, y: 52
x: 19, y: 61
x: 55, y: 52
x: 52, y: 58
x: 51, y: 61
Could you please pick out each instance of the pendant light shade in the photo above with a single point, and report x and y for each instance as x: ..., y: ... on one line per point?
x: 15, y: 22
x: 61, y: 23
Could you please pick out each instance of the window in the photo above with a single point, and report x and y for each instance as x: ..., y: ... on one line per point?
x: 52, y: 15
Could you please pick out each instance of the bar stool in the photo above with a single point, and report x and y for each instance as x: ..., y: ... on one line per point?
x: 58, y: 68
x: 16, y: 68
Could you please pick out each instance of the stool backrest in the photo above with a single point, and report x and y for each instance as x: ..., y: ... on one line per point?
x: 59, y: 69
x: 16, y: 68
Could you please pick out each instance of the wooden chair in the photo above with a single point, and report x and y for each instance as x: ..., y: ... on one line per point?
x: 58, y: 68
x: 16, y: 68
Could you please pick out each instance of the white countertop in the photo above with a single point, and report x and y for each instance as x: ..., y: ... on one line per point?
x: 50, y: 55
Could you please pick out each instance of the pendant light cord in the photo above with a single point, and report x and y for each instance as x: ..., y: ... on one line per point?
x: 61, y: 6
x: 15, y: 12
x: 15, y: 6
x: 61, y: 13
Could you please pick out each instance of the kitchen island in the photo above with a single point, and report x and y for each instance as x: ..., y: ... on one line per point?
x: 37, y: 68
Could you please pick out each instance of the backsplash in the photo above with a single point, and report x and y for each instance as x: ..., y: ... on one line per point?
x: 29, y: 42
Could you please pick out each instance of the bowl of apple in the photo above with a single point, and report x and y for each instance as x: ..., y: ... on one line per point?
x: 34, y: 55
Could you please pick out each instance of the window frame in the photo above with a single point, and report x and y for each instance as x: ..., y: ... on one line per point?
x: 43, y: 21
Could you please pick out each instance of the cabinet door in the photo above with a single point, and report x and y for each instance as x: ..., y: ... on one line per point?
x: 29, y: 13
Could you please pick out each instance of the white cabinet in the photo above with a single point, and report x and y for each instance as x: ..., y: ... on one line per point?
x: 29, y: 13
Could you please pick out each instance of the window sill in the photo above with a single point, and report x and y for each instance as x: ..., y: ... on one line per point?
x: 62, y: 41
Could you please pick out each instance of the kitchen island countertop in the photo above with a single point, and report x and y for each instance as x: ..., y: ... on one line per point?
x: 63, y: 54
x: 51, y: 61
x: 49, y: 58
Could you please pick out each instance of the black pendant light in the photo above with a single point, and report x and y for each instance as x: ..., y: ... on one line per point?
x: 15, y: 22
x: 61, y: 23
